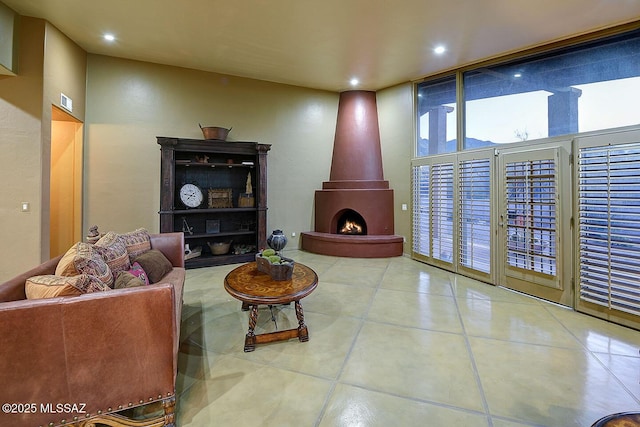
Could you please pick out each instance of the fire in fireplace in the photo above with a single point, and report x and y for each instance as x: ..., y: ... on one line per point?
x: 351, y: 222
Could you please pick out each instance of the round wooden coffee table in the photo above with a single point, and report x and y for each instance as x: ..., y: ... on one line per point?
x: 254, y: 288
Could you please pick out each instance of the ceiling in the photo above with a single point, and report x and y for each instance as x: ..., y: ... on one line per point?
x: 323, y: 44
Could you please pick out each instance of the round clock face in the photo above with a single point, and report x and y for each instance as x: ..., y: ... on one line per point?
x: 191, y: 195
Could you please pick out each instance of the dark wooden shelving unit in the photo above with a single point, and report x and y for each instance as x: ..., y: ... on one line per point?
x: 215, y: 165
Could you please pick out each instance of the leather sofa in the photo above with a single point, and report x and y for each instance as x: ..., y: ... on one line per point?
x: 92, y: 358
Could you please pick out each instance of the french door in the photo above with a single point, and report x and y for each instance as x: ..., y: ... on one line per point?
x: 534, y: 232
x: 452, y: 212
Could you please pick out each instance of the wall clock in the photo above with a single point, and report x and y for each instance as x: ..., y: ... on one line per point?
x: 191, y: 195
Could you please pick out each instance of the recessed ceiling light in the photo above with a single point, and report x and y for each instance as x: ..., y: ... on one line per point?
x: 354, y: 82
x: 439, y: 50
x: 516, y: 75
x: 109, y: 37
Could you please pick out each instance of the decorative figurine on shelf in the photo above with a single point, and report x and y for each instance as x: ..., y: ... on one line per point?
x: 185, y: 226
x: 246, y: 199
x: 203, y: 159
x: 249, y: 187
x: 277, y: 240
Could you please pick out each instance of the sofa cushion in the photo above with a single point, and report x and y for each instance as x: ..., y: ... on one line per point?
x: 137, y: 270
x: 155, y: 264
x: 113, y: 251
x: 81, y: 258
x: 137, y: 242
x: 50, y: 286
x: 127, y: 280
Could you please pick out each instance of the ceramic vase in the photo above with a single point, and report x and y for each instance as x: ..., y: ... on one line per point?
x: 277, y: 240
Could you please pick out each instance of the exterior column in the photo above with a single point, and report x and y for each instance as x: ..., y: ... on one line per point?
x: 563, y: 112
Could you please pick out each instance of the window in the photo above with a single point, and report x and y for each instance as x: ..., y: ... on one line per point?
x: 437, y: 117
x: 591, y: 86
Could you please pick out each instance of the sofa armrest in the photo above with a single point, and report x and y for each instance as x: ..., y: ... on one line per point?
x: 171, y: 245
x: 104, y: 351
x: 13, y: 290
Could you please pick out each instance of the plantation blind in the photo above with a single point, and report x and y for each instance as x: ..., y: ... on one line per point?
x: 421, y: 210
x: 475, y: 214
x: 609, y: 226
x: 442, y: 212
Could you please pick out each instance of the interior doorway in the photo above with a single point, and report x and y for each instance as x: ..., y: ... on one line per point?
x: 65, y: 214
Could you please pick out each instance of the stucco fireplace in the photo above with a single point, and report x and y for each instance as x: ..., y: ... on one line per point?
x: 354, y: 209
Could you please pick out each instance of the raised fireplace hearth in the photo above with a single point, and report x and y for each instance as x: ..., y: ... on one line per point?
x: 354, y: 209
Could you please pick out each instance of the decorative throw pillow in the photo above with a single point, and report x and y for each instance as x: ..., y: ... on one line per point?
x: 137, y: 270
x: 137, y: 242
x: 155, y: 264
x: 82, y: 259
x: 50, y: 286
x: 127, y: 280
x: 114, y: 252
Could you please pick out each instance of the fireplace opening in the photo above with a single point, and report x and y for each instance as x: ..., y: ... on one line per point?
x: 351, y: 222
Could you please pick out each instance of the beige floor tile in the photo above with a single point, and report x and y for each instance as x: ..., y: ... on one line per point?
x: 598, y: 335
x: 416, y: 310
x: 240, y: 393
x: 407, y: 361
x: 353, y: 274
x: 416, y: 280
x: 625, y: 368
x: 464, y: 287
x: 330, y: 340
x: 426, y: 365
x: 353, y: 406
x: 376, y: 263
x: 514, y: 322
x: 546, y: 385
x: 338, y: 299
x: 497, y: 422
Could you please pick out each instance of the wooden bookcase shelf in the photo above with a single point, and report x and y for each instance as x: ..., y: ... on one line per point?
x: 222, y: 167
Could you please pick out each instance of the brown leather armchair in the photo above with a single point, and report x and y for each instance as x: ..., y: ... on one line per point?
x: 85, y: 359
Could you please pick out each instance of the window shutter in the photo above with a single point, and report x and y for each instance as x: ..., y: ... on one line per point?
x: 609, y: 226
x: 475, y: 214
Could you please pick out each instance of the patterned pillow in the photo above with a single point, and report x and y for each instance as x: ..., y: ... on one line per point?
x: 114, y: 252
x: 50, y: 286
x: 81, y: 258
x: 137, y: 242
x: 137, y: 270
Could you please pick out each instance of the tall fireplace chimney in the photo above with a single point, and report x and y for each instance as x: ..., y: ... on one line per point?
x: 356, y: 190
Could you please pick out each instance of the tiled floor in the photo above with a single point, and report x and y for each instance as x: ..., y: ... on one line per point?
x: 394, y: 342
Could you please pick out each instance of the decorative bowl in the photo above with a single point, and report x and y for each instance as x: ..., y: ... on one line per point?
x: 219, y: 248
x: 215, y: 132
x: 278, y: 272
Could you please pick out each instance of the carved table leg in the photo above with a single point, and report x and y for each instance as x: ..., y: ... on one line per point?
x: 303, y: 332
x: 245, y: 306
x: 250, y: 339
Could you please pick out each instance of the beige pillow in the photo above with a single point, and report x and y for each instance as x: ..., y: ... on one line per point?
x: 127, y: 280
x: 113, y: 251
x: 137, y: 242
x: 50, y: 286
x: 81, y: 258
